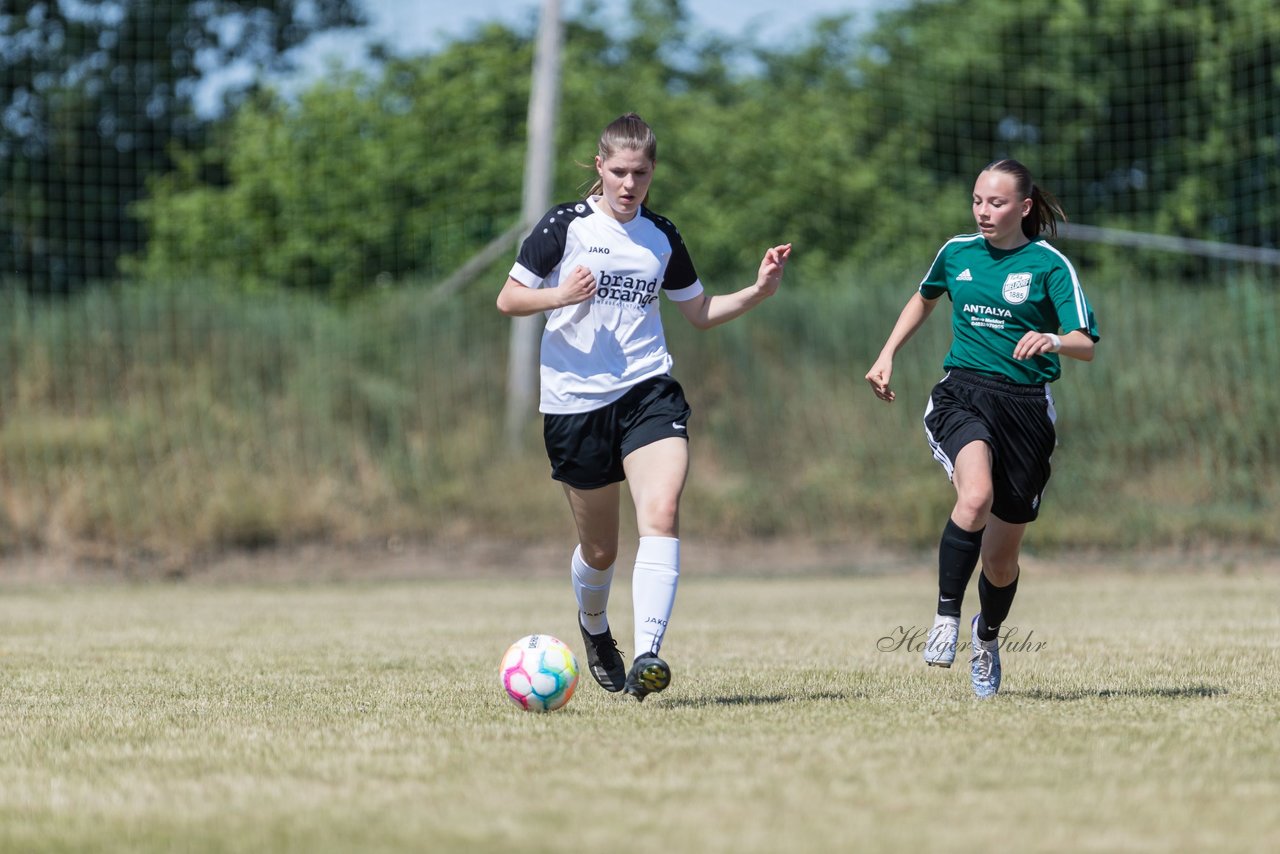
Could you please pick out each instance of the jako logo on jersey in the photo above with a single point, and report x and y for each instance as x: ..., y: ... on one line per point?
x: 966, y: 276
x: 1016, y: 288
x: 603, y: 250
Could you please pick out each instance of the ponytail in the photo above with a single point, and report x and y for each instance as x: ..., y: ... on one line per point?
x: 1045, y: 211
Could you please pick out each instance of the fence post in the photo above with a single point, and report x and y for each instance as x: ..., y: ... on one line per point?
x: 526, y: 332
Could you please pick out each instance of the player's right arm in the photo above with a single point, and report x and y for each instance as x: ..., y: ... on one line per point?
x: 518, y: 300
x: 913, y: 316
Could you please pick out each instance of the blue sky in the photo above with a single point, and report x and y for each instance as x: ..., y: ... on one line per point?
x: 412, y: 26
x: 418, y: 25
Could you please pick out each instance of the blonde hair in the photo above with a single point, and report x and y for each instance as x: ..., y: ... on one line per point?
x: 1045, y: 209
x: 627, y: 132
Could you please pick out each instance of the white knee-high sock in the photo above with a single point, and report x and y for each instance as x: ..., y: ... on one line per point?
x: 591, y: 589
x: 653, y: 590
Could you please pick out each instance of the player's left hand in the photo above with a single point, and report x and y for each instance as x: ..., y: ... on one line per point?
x: 1033, y: 344
x: 771, y: 268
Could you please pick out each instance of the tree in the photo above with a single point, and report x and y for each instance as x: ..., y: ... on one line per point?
x: 362, y: 178
x: 859, y: 146
x: 1141, y: 115
x: 91, y: 98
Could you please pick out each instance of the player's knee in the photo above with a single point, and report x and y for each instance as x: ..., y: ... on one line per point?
x: 1000, y: 570
x: 974, y: 504
x: 600, y: 555
x: 661, y: 515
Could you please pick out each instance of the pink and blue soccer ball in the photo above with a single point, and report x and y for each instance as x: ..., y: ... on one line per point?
x: 539, y: 673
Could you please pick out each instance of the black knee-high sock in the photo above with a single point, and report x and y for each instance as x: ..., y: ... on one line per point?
x: 957, y: 556
x: 996, y: 602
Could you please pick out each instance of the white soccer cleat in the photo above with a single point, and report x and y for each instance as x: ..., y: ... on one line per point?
x: 984, y: 665
x: 940, y: 645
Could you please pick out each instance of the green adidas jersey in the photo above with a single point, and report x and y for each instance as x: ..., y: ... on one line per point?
x: 998, y: 295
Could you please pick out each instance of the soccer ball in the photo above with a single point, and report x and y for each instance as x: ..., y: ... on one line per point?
x: 539, y: 673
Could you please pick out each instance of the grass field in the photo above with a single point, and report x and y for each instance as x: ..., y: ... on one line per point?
x: 1144, y: 715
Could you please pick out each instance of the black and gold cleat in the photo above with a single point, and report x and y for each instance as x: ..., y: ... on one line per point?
x: 649, y: 675
x: 604, y: 660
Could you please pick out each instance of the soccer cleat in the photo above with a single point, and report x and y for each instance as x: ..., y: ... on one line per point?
x: 940, y: 645
x: 649, y: 675
x: 604, y: 660
x: 984, y: 665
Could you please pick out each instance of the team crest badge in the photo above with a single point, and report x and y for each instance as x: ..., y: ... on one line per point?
x: 1016, y: 288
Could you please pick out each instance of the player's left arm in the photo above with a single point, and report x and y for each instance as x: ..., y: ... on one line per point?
x: 1077, y: 344
x: 1075, y: 317
x: 705, y: 311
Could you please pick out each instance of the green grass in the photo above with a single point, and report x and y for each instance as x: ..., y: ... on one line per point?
x: 368, y: 716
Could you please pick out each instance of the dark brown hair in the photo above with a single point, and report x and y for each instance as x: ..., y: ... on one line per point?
x: 1045, y: 210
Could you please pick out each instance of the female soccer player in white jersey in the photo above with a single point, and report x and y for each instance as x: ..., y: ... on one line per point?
x: 990, y: 420
x: 612, y: 411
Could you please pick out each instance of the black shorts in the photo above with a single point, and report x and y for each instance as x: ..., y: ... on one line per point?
x: 1015, y: 420
x: 586, y: 449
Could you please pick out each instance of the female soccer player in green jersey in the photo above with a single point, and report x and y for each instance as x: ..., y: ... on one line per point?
x: 990, y: 420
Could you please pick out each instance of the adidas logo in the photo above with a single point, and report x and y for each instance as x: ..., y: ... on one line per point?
x: 966, y: 276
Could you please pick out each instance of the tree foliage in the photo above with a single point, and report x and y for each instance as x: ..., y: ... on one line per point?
x: 358, y: 179
x: 1138, y: 114
x: 859, y: 145
x: 91, y: 97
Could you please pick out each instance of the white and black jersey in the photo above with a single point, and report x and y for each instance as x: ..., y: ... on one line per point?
x: 593, y: 352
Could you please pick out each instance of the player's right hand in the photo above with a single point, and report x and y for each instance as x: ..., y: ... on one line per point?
x: 578, y: 286
x: 878, y: 377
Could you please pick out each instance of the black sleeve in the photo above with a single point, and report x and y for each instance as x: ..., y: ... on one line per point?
x: 543, y: 249
x: 680, y: 272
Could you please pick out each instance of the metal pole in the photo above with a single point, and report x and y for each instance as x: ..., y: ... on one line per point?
x: 539, y: 171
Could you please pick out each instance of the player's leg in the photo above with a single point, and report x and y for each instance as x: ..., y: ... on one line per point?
x: 1024, y: 426
x: 656, y: 473
x: 960, y: 548
x: 975, y: 488
x: 581, y: 448
x: 998, y: 583
x: 595, y: 512
x: 997, y: 586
